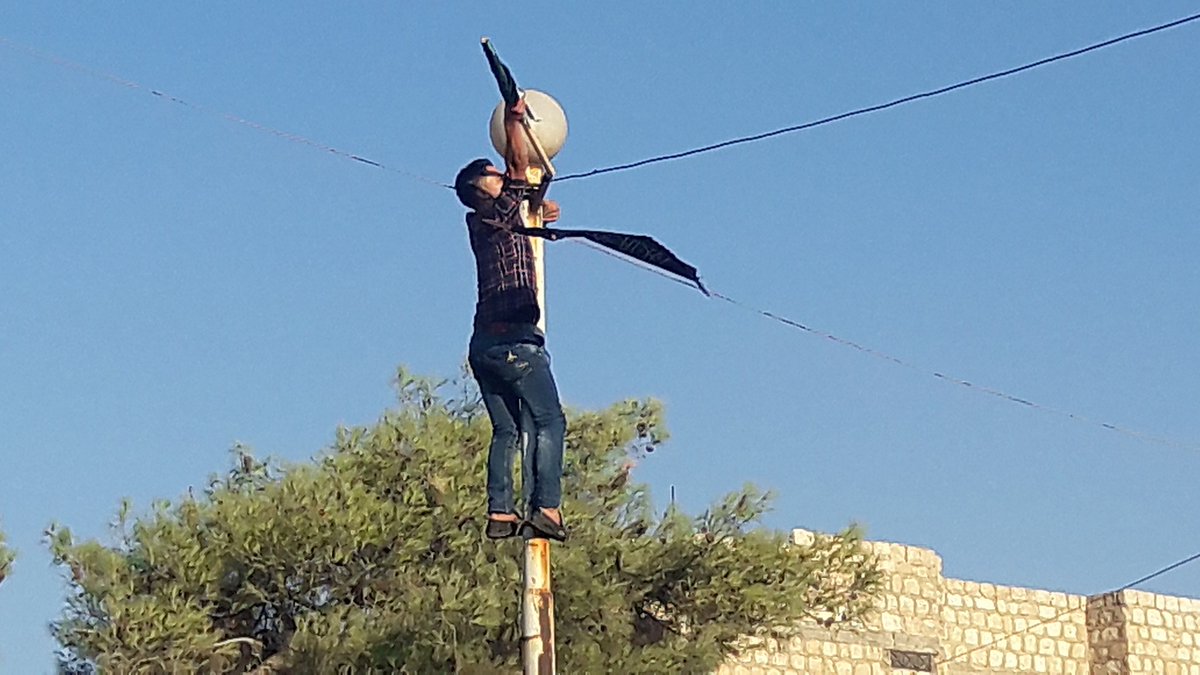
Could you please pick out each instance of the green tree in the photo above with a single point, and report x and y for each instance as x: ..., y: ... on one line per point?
x: 7, y: 556
x: 371, y: 558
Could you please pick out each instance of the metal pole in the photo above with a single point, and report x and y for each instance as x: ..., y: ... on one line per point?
x: 537, y: 610
x: 537, y: 599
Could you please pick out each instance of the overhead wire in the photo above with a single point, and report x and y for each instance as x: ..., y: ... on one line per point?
x: 882, y: 106
x: 230, y: 117
x: 630, y: 165
x: 619, y: 167
x: 1137, y: 582
x: 996, y: 393
x: 299, y: 139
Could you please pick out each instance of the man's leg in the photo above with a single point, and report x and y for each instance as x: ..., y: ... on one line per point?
x: 539, y: 394
x: 502, y: 407
x: 525, y: 368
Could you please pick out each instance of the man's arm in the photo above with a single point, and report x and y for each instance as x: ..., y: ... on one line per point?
x: 516, y: 155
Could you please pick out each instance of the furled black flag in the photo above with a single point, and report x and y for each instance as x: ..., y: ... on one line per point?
x: 504, y: 76
x: 636, y: 246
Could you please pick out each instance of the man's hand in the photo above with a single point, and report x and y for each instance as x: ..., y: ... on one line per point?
x: 517, y: 110
x: 550, y: 211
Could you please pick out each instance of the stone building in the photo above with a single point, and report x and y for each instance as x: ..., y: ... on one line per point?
x: 926, y: 623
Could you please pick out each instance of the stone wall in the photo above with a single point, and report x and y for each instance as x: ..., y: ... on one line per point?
x: 926, y: 623
x: 1162, y: 633
x: 989, y: 628
x: 1108, y: 643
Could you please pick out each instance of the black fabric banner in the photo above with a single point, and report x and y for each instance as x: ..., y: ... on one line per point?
x: 636, y: 246
x: 504, y: 77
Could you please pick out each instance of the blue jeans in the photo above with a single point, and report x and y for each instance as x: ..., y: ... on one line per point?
x: 522, y: 400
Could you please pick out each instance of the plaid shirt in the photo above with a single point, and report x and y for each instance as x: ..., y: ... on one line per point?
x: 505, y: 275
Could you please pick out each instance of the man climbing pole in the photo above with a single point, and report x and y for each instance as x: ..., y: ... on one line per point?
x: 507, y: 351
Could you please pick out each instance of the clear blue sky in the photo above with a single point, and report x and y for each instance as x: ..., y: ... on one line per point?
x: 172, y: 283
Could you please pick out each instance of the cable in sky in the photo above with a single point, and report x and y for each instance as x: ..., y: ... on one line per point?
x: 295, y: 138
x: 288, y: 136
x: 620, y: 167
x: 883, y: 106
x: 1159, y: 440
x: 1175, y: 565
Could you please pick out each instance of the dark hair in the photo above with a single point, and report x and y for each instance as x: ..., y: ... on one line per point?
x: 466, y: 182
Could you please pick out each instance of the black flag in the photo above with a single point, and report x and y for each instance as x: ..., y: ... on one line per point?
x: 636, y: 246
x: 504, y: 76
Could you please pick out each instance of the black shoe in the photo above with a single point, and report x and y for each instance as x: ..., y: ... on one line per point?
x: 502, y: 529
x: 542, y: 527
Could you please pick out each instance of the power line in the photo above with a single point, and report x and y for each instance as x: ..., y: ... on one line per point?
x: 791, y: 323
x: 883, y: 106
x: 296, y: 138
x: 620, y: 167
x: 1175, y: 565
x: 230, y: 117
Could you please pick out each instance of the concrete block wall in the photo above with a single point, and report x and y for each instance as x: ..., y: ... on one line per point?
x: 926, y: 623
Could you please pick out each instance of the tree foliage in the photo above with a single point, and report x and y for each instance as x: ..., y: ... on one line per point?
x: 7, y: 556
x: 371, y: 558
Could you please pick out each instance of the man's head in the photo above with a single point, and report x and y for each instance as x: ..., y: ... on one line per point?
x: 478, y: 183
